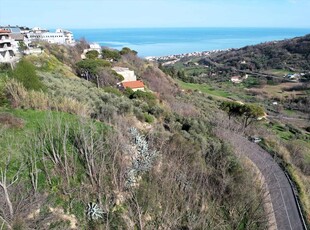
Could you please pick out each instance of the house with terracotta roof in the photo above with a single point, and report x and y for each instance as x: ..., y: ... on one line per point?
x: 134, y: 85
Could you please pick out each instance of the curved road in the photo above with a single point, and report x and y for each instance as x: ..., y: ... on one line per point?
x: 282, y: 197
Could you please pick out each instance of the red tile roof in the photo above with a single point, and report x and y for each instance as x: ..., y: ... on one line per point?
x: 4, y: 31
x: 133, y: 84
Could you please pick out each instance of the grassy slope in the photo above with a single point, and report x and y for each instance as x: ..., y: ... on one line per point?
x: 204, y: 88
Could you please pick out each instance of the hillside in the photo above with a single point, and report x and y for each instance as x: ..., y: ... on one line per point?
x: 77, y: 153
x: 291, y: 54
x: 274, y: 75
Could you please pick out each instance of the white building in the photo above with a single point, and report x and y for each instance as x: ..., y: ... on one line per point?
x: 92, y: 46
x: 129, y: 75
x: 69, y: 39
x: 6, y: 47
x: 59, y: 36
x: 16, y: 35
x: 236, y: 79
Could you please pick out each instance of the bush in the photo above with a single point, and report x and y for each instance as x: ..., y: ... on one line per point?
x: 148, y: 118
x: 148, y: 97
x: 112, y: 90
x: 128, y: 92
x: 92, y: 54
x: 127, y: 50
x: 124, y: 108
x: 26, y: 74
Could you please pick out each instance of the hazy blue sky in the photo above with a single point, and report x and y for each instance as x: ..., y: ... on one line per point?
x: 155, y: 13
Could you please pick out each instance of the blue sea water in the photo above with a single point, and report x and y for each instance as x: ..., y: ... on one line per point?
x: 166, y: 41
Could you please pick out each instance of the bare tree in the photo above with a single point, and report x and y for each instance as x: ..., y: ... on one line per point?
x: 6, y: 181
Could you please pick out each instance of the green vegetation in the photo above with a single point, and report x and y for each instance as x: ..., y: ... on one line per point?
x: 249, y: 112
x: 92, y: 66
x: 204, y: 88
x: 111, y: 54
x: 142, y: 160
x: 285, y: 131
x: 22, y: 46
x: 26, y: 74
x: 92, y: 54
x: 127, y: 50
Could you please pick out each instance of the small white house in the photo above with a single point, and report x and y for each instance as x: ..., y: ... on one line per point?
x: 129, y: 75
x: 236, y: 79
x: 92, y: 46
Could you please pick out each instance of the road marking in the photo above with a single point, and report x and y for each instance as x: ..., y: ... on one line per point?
x: 283, y: 201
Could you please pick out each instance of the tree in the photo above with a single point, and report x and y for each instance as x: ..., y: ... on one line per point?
x: 252, y: 112
x: 111, y: 54
x: 127, y: 50
x: 92, y: 54
x: 89, y: 69
x: 249, y: 112
x: 232, y: 108
x: 8, y: 179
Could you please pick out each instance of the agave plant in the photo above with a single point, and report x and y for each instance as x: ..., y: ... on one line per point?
x: 93, y: 211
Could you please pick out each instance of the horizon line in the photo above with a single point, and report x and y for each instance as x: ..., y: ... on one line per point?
x: 189, y: 27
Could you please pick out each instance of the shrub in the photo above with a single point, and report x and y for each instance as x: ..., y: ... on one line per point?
x: 148, y: 97
x: 148, y: 118
x: 26, y: 74
x: 128, y: 92
x: 127, y: 50
x: 112, y: 90
x: 124, y: 108
x: 92, y: 54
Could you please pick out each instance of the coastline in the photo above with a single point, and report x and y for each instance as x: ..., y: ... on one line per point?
x: 162, y: 42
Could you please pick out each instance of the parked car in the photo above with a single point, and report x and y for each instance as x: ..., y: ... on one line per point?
x: 255, y: 139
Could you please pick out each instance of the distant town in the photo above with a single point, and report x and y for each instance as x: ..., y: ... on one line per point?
x: 172, y: 59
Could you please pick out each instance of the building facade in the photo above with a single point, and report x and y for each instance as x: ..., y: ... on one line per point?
x: 129, y: 75
x: 60, y: 36
x: 6, y: 47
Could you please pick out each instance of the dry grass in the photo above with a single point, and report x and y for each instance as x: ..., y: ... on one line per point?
x: 278, y: 91
x: 21, y: 98
x: 11, y: 121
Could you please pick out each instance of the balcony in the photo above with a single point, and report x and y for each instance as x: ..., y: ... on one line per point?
x: 5, y: 40
x: 3, y: 49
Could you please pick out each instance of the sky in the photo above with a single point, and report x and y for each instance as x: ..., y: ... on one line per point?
x: 74, y: 14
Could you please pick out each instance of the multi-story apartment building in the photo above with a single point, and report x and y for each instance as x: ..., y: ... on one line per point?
x: 6, y: 47
x: 60, y: 36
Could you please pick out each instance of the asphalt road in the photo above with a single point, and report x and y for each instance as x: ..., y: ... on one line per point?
x: 281, y: 193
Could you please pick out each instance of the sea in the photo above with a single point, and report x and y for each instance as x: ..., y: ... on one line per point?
x: 157, y: 42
